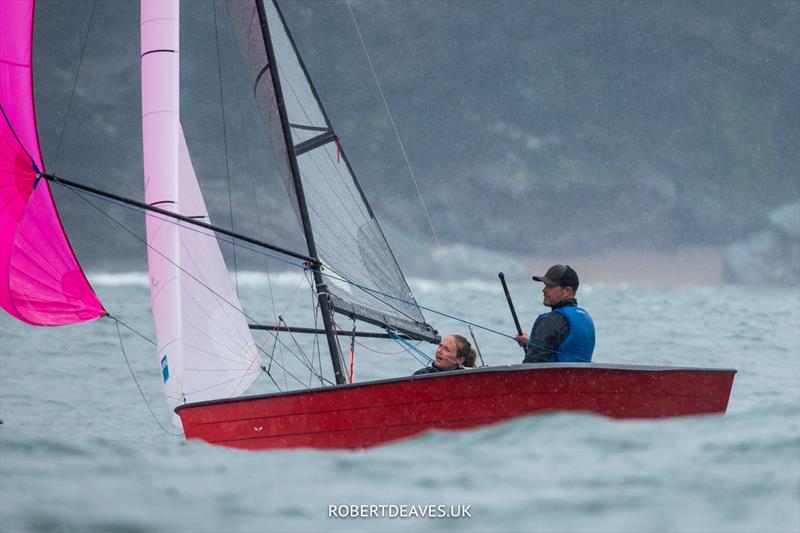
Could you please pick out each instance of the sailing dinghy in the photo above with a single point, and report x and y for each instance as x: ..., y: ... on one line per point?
x: 206, y: 353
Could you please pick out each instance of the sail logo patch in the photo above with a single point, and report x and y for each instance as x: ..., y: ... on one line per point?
x: 164, y: 368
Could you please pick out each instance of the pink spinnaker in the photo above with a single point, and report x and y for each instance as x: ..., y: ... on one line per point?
x: 41, y: 281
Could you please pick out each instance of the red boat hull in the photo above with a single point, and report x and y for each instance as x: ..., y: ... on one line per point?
x: 366, y: 414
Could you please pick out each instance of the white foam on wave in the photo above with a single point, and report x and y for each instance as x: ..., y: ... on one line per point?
x: 252, y: 280
x: 247, y: 279
x: 119, y: 279
x: 257, y: 279
x: 421, y: 285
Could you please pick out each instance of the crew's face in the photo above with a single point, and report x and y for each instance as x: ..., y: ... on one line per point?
x: 555, y: 294
x: 446, y: 354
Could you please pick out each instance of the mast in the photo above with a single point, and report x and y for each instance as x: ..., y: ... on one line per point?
x: 322, y: 291
x: 205, y: 348
x: 382, y: 310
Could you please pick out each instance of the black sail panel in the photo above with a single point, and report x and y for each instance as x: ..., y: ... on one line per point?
x: 362, y: 275
x: 247, y: 30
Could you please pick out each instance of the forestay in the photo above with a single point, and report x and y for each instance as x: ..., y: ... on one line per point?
x: 41, y: 282
x: 363, y: 277
x: 205, y: 349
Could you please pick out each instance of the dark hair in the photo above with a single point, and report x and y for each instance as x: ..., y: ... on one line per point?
x: 464, y: 349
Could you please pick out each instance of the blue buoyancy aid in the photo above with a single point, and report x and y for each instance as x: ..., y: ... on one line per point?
x: 579, y: 344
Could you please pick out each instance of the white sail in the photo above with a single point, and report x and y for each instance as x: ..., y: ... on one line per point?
x: 205, y: 349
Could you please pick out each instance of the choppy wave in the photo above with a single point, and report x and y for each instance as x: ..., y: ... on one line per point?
x: 259, y: 279
x: 245, y: 279
x: 74, y: 418
x: 119, y: 279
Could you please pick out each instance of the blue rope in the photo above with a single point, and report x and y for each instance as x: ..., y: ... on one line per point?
x: 426, y: 359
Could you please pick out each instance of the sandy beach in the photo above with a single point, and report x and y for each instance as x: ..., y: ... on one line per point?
x: 696, y: 265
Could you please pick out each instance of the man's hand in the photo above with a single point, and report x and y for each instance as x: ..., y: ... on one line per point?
x: 522, y: 339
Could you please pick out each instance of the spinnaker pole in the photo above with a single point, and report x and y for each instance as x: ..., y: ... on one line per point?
x: 177, y: 216
x: 326, y: 309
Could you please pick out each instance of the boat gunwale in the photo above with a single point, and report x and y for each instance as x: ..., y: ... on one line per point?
x: 455, y: 374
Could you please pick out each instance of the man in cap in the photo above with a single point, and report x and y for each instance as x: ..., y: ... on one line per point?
x: 566, y: 333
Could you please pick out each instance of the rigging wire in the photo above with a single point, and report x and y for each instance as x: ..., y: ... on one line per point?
x: 372, y: 292
x: 274, y: 331
x: 283, y: 367
x: 171, y: 221
x: 117, y: 322
x: 306, y: 361
x: 225, y: 140
x: 394, y: 126
x: 338, y: 277
x: 232, y: 241
x: 74, y: 86
x: 415, y: 352
x: 441, y: 313
x: 145, y: 337
x: 267, y: 369
x: 187, y: 273
x: 237, y: 111
x: 475, y: 343
x: 373, y: 350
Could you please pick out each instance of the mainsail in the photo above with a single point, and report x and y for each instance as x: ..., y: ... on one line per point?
x: 41, y: 282
x: 363, y: 278
x: 205, y: 348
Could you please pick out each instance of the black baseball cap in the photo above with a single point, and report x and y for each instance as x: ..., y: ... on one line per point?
x: 561, y: 275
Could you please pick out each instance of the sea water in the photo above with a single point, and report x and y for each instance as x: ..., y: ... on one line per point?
x: 81, y: 451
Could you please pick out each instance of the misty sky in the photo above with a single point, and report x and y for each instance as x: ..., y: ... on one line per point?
x: 596, y: 125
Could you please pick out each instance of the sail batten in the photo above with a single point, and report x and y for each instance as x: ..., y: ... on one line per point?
x: 314, y: 142
x: 41, y: 282
x: 348, y: 239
